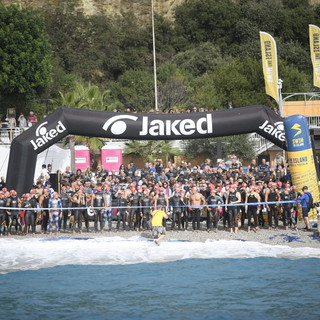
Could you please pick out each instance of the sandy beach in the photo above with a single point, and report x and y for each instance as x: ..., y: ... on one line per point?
x: 292, y: 238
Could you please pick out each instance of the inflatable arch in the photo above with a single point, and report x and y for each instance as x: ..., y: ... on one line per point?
x: 65, y: 121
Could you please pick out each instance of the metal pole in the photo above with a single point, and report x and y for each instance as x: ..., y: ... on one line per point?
x: 154, y: 58
x: 280, y: 103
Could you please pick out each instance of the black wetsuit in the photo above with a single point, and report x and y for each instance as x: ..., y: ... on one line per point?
x: 161, y: 201
x: 98, y: 201
x: 135, y: 211
x: 14, y: 214
x: 213, y: 215
x: 122, y: 212
x: 45, y: 214
x: 232, y: 210
x: 29, y: 216
x: 286, y: 208
x: 65, y: 201
x: 185, y: 212
x: 273, y: 211
x: 243, y: 194
x: 34, y: 203
x: 145, y: 202
x: 3, y: 213
x: 177, y: 209
x: 78, y: 212
x: 252, y: 210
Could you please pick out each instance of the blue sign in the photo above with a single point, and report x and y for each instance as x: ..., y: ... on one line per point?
x: 297, y: 133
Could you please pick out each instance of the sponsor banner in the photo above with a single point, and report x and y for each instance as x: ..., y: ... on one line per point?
x: 297, y: 133
x: 303, y: 171
x: 145, y: 126
x: 149, y: 127
x: 81, y: 160
x: 112, y: 159
x: 300, y: 155
x: 44, y: 133
x: 269, y: 64
x: 314, y: 37
x: 275, y: 129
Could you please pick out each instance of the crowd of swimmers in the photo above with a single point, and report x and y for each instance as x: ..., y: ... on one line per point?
x: 194, y: 198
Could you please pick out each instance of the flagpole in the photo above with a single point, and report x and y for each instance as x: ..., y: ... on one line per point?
x: 280, y: 103
x: 154, y: 59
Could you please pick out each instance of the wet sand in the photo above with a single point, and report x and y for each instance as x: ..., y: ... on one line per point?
x: 292, y: 238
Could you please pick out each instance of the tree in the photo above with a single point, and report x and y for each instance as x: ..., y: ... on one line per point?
x: 201, y: 59
x: 86, y: 96
x: 150, y: 150
x: 135, y: 88
x: 25, y: 53
x: 210, y: 20
x: 239, y: 145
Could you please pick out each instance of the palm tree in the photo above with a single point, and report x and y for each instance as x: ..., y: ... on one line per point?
x: 150, y: 150
x: 86, y: 96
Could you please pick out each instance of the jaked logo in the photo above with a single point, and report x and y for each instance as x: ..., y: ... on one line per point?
x: 44, y: 135
x: 276, y: 130
x: 159, y: 127
x: 118, y: 126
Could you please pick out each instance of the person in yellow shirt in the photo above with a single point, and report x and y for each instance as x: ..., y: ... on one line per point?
x: 158, y: 231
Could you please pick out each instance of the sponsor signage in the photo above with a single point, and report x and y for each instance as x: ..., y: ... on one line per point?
x: 276, y: 130
x: 45, y: 135
x: 157, y: 127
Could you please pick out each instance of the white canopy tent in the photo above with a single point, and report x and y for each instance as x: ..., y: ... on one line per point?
x: 59, y: 159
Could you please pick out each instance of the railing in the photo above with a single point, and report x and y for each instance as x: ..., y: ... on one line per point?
x: 313, y: 122
x: 7, y: 135
x: 260, y: 143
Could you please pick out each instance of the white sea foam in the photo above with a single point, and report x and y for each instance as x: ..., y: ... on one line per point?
x: 33, y: 254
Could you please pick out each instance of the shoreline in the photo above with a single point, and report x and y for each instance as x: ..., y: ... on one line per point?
x: 293, y: 238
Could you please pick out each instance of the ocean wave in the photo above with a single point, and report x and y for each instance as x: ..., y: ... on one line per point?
x: 33, y: 254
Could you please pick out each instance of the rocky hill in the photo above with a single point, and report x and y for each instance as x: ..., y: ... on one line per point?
x: 141, y: 8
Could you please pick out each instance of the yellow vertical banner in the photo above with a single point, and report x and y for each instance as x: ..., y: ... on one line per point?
x: 314, y: 36
x: 269, y: 64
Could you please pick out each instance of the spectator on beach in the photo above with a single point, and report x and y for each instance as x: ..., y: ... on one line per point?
x: 32, y: 119
x: 304, y: 200
x: 22, y: 121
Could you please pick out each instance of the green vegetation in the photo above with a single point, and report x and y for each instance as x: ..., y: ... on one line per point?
x: 209, y: 55
x: 151, y: 150
x: 238, y: 145
x: 25, y: 67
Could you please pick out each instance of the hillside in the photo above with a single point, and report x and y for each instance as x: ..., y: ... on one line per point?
x: 141, y: 8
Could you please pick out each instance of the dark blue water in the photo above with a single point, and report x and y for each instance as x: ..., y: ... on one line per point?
x: 259, y: 288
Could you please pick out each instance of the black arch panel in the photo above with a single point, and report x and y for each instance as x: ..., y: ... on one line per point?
x: 64, y: 121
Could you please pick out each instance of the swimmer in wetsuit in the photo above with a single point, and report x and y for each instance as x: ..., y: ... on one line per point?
x: 98, y: 201
x: 14, y: 217
x: 213, y: 212
x: 272, y: 195
x: 3, y: 212
x: 122, y: 209
x: 233, y: 197
x: 177, y: 207
x: 29, y: 215
x: 55, y: 212
x: 78, y: 201
x: 252, y: 210
x: 134, y: 199
x: 145, y: 203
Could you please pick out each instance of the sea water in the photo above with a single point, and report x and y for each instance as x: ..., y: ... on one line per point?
x: 115, y: 278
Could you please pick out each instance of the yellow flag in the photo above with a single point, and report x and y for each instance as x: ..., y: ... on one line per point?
x: 314, y: 35
x: 269, y: 64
